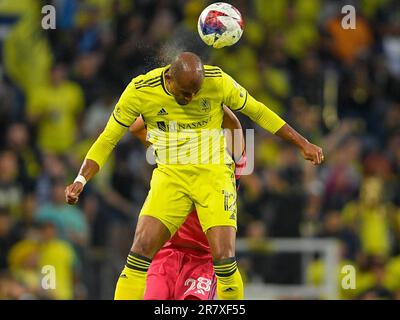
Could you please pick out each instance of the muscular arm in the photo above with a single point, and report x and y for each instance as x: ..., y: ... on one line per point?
x: 125, y: 112
x: 88, y: 169
x: 262, y: 115
x: 271, y: 122
x: 237, y: 98
x: 96, y: 157
x: 309, y: 151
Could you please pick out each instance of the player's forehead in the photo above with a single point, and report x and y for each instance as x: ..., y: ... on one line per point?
x: 189, y: 81
x: 187, y: 71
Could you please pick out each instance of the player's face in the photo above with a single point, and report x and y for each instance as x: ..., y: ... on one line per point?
x: 182, y: 95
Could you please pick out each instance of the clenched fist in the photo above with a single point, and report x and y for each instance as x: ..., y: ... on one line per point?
x: 72, y: 192
x: 313, y: 153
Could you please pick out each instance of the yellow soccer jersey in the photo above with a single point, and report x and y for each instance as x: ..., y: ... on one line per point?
x: 182, y: 134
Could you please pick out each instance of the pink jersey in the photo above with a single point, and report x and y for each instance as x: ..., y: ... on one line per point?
x: 190, y: 234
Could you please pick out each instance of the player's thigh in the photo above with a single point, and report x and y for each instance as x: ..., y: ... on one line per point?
x: 150, y: 235
x: 196, y: 280
x: 215, y: 201
x: 167, y: 199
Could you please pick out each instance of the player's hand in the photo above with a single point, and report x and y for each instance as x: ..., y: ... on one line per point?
x: 313, y: 153
x: 72, y: 192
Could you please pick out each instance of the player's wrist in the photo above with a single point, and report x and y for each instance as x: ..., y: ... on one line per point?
x: 80, y: 178
x: 303, y: 143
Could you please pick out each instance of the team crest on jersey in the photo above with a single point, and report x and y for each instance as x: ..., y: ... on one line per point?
x: 205, y: 105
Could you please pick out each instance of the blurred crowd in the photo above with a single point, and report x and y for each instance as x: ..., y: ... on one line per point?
x: 338, y: 87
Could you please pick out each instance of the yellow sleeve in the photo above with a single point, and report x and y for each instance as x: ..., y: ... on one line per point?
x: 234, y: 95
x: 262, y: 115
x: 238, y: 99
x: 127, y: 109
x: 125, y: 113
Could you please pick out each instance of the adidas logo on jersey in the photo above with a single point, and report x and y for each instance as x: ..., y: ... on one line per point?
x: 162, y: 112
x: 228, y: 289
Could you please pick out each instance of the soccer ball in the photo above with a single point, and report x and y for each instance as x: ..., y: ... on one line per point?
x: 220, y: 25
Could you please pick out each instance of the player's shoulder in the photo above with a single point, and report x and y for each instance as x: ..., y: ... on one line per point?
x: 152, y: 78
x: 212, y: 71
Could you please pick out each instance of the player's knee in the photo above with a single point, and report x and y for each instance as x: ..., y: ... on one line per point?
x: 222, y: 242
x: 144, y: 247
x: 222, y: 252
x: 150, y: 236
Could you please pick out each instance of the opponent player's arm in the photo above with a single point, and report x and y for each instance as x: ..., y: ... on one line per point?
x: 139, y: 131
x: 100, y: 151
x: 233, y: 134
x: 238, y: 99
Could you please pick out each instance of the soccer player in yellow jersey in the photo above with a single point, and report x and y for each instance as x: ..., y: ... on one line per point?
x: 181, y: 105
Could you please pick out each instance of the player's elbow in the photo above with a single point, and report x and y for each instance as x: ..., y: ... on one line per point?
x: 230, y: 121
x: 133, y: 131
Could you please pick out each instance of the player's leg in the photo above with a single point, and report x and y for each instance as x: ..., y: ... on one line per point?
x: 164, y: 210
x: 222, y: 244
x: 216, y: 208
x: 150, y: 236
